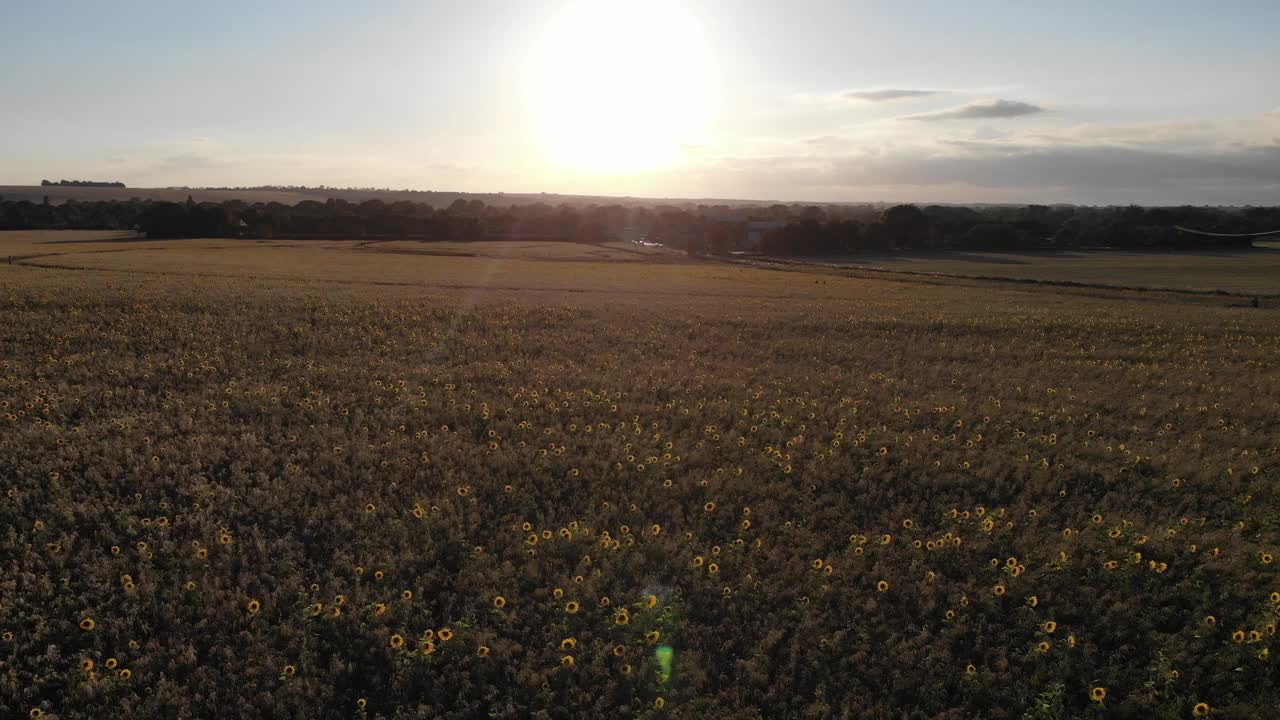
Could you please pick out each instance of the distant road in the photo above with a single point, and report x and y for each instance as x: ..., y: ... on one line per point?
x: 1234, y: 235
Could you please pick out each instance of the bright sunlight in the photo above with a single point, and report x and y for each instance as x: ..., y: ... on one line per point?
x: 617, y: 86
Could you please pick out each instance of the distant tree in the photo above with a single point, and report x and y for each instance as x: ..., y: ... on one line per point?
x: 992, y: 236
x: 907, y: 226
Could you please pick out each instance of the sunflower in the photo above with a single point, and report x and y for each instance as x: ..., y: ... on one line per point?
x: 626, y: 669
x: 817, y: 564
x: 566, y: 661
x: 87, y: 624
x: 370, y: 507
x: 190, y: 585
x: 445, y: 634
x: 482, y: 651
x: 653, y: 636
x: 1049, y: 626
x: 1098, y: 694
x: 698, y: 561
x: 426, y: 647
x: 709, y: 507
x: 571, y: 607
x: 202, y: 553
x: 361, y: 703
x: 1200, y: 710
x: 397, y: 641
x: 568, y: 643
x: 316, y: 609
x: 619, y: 650
x: 882, y: 586
x: 557, y: 593
x: 652, y: 600
x: 1238, y: 636
x: 713, y: 568
x: 1043, y: 646
x: 289, y: 671
x: 621, y: 617
x: 970, y: 669
x: 499, y: 602
x: 998, y: 590
x: 86, y: 664
x: 407, y: 595
x: 125, y: 674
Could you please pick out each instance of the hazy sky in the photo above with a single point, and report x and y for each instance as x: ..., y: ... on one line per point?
x: 1096, y: 102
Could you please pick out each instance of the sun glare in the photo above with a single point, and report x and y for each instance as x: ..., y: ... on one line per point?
x: 619, y: 86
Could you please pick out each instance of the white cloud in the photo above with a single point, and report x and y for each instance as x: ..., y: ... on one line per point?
x: 888, y: 94
x: 983, y: 109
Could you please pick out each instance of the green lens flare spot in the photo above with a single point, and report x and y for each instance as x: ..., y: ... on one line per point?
x: 664, y: 654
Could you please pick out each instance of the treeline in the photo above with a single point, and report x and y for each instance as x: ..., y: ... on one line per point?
x: 462, y: 220
x: 938, y: 227
x: 782, y: 230
x: 81, y: 183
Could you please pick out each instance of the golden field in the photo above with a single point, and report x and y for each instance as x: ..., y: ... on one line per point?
x: 324, y: 479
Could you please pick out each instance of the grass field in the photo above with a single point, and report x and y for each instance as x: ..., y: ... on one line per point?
x: 1244, y: 271
x: 333, y: 480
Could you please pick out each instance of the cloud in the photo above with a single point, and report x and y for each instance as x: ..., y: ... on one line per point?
x: 977, y: 171
x: 888, y: 94
x: 187, y: 161
x: 985, y: 109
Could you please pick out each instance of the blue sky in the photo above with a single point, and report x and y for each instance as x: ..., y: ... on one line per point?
x: 1094, y: 102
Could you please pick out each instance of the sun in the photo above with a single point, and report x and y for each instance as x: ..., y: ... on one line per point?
x: 619, y: 85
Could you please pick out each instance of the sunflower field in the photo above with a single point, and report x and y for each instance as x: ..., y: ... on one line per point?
x: 235, y: 498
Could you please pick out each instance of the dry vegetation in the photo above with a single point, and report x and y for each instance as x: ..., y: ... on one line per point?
x: 1240, y: 271
x: 303, y: 480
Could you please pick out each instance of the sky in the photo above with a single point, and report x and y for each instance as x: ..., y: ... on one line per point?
x: 1116, y: 102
